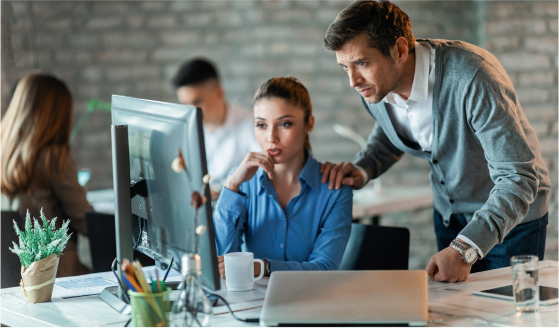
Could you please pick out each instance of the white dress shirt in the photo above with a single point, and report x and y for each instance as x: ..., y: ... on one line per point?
x: 227, y: 146
x: 413, y: 118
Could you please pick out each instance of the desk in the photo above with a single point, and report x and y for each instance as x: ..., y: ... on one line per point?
x: 367, y: 202
x: 449, y: 305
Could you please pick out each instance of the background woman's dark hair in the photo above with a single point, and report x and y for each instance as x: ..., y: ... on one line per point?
x: 292, y: 91
x: 382, y: 21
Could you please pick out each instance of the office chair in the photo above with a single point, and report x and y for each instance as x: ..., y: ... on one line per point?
x: 11, y: 266
x: 102, y: 240
x: 372, y: 247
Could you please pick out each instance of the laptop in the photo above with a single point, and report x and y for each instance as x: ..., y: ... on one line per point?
x: 341, y: 298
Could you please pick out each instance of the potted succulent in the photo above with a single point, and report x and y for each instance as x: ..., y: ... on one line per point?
x: 38, y: 250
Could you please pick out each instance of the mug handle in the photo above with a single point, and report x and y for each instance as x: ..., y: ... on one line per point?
x: 261, y: 269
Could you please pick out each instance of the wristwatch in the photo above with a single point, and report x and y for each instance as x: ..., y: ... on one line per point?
x: 267, y: 270
x: 469, y: 253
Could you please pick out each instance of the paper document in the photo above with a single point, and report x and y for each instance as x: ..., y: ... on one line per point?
x: 81, y: 286
x: 93, y: 284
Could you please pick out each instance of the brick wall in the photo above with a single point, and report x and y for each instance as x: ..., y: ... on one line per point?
x: 134, y: 48
x: 523, y: 36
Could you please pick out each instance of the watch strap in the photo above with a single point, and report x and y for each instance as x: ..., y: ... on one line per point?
x: 462, y: 248
x: 267, y: 270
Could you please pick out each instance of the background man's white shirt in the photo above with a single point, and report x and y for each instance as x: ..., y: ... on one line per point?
x: 227, y: 146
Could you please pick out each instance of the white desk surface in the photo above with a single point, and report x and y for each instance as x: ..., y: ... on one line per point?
x: 449, y: 305
x: 367, y: 202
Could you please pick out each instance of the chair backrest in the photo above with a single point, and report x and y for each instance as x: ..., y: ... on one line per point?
x: 11, y: 266
x: 372, y: 247
x: 102, y: 241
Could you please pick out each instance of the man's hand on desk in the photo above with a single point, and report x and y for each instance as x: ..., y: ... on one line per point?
x: 344, y: 173
x: 447, y: 265
x: 221, y: 266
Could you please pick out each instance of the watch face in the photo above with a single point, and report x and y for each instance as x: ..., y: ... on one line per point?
x: 470, y: 255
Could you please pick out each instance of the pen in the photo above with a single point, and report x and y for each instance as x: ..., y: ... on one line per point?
x: 128, y: 283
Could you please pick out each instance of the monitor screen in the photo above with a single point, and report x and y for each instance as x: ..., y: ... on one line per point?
x: 163, y: 220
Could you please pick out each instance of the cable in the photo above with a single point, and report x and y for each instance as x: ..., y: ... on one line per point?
x: 231, y: 311
x: 115, y: 262
x: 168, y: 269
x: 139, y: 238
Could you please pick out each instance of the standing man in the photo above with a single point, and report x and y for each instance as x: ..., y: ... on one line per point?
x: 228, y: 130
x: 452, y: 104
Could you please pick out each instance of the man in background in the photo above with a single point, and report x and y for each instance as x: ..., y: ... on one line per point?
x: 228, y: 129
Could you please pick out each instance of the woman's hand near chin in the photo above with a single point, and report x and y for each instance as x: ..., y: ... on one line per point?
x: 248, y: 168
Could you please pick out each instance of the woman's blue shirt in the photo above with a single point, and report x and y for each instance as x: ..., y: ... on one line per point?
x: 310, y: 234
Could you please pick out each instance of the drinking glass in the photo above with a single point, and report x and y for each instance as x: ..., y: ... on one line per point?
x: 525, y: 282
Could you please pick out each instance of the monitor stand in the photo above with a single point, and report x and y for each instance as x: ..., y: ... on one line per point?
x: 111, y: 297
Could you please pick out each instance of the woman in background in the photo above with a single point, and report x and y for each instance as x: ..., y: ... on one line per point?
x: 37, y: 166
x: 274, y: 200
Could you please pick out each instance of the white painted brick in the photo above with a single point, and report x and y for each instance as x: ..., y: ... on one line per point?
x: 292, y: 16
x: 553, y: 26
x: 279, y: 48
x: 537, y: 113
x: 546, y: 45
x: 203, y: 19
x: 129, y: 39
x: 254, y: 50
x: 135, y: 21
x: 122, y: 56
x: 502, y: 43
x: 548, y: 146
x: 104, y: 23
x: 48, y: 40
x: 229, y: 19
x: 541, y: 128
x: 92, y: 74
x: 545, y: 8
x: 517, y: 26
x: 169, y: 54
x: 126, y: 73
x: 326, y: 15
x: 58, y: 25
x: 186, y: 6
x: 180, y: 38
x: 539, y: 79
x: 253, y: 16
x: 530, y: 96
x: 110, y: 7
x: 241, y: 5
x: 521, y: 62
x: 21, y: 8
x: 151, y: 6
x: 82, y: 40
x: 500, y: 10
x: 162, y: 21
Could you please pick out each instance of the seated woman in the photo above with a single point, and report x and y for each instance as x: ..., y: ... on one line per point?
x: 274, y: 200
x: 38, y: 171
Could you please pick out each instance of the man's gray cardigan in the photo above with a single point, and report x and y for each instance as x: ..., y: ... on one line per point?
x: 485, y: 159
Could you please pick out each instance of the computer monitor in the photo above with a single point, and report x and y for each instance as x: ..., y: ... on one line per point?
x: 160, y: 217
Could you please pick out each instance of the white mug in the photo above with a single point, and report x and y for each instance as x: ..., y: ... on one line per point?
x: 239, y: 271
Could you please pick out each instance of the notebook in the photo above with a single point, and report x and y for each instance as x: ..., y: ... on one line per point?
x: 339, y: 298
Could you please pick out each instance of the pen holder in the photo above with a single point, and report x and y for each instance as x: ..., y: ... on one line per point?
x: 150, y: 310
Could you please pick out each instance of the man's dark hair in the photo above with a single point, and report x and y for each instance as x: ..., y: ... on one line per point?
x: 382, y: 21
x: 193, y: 72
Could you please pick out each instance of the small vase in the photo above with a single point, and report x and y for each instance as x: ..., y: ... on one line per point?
x: 38, y: 279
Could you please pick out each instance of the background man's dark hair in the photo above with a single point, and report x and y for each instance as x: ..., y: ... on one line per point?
x: 382, y: 21
x: 193, y: 72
